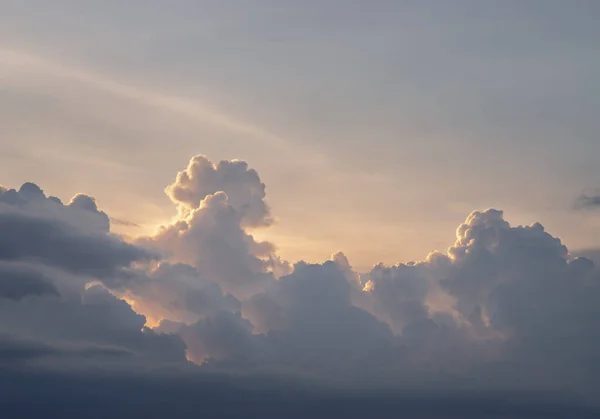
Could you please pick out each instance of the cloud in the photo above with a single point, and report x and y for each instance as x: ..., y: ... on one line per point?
x: 592, y: 254
x: 587, y: 201
x: 17, y: 282
x: 245, y: 192
x: 14, y: 349
x: 217, y: 203
x: 518, y: 310
x: 93, y: 318
x: 51, y: 315
x: 81, y: 212
x: 504, y: 308
x: 211, y: 239
x: 224, y: 336
x: 307, y: 322
x: 177, y: 292
x: 75, y: 237
x: 312, y: 323
x: 27, y: 238
x: 399, y: 294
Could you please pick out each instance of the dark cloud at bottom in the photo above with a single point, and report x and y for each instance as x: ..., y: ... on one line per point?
x: 52, y: 395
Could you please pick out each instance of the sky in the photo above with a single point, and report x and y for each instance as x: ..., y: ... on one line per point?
x: 329, y: 198
x: 394, y: 119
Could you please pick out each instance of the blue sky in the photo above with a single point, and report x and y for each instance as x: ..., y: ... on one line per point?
x: 376, y: 126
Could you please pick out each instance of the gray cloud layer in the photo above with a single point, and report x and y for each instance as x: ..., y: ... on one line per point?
x: 50, y: 256
x: 505, y: 308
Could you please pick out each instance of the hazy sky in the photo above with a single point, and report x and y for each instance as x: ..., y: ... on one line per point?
x: 377, y: 126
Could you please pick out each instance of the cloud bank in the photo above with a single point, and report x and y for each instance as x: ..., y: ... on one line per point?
x: 504, y: 309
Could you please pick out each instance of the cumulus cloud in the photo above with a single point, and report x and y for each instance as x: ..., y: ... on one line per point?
x: 48, y: 253
x: 245, y: 192
x: 398, y: 294
x: 81, y: 212
x: 504, y: 308
x: 94, y: 318
x: 211, y: 239
x: 177, y: 292
x: 75, y: 237
x: 513, y: 297
x: 225, y: 336
x: 217, y: 203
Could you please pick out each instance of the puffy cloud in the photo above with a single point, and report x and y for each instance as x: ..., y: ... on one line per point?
x: 505, y: 307
x: 217, y: 203
x: 211, y: 239
x: 224, y: 336
x: 520, y: 285
x: 510, y: 294
x: 177, y: 292
x: 399, y: 294
x: 304, y: 322
x: 75, y: 237
x: 310, y: 322
x: 489, y: 255
x: 245, y: 192
x: 81, y: 212
x: 48, y: 252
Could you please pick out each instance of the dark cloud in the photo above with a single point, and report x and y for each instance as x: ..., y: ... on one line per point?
x: 74, y: 237
x: 224, y: 336
x: 52, y: 242
x: 17, y: 282
x: 95, y: 318
x: 14, y: 349
x: 51, y: 314
x: 81, y: 212
x: 587, y: 201
x: 591, y: 254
